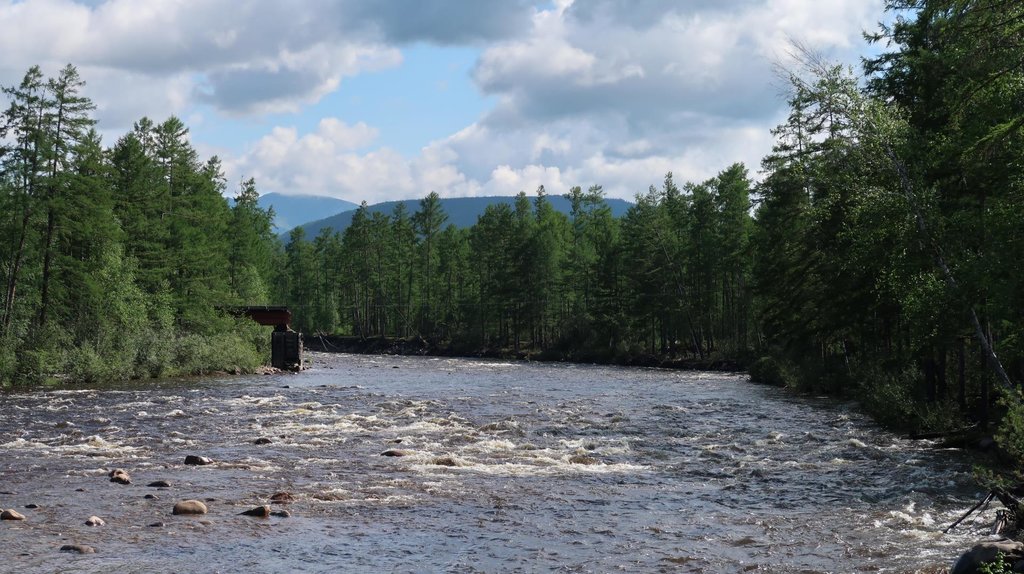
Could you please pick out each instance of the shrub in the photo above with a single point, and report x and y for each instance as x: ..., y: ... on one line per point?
x: 770, y: 371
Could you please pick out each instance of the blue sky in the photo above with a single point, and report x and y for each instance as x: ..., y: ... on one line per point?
x: 392, y: 99
x: 417, y: 101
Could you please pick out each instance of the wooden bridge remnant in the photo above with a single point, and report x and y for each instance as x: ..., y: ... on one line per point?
x: 285, y: 344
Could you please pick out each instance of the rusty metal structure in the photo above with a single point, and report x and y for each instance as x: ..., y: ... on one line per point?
x: 285, y: 344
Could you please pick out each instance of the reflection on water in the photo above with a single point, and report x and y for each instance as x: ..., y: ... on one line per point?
x: 503, y: 467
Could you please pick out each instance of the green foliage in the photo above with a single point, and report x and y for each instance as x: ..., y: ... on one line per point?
x: 889, y: 397
x: 1000, y: 565
x: 1010, y: 435
x: 771, y: 371
x: 114, y: 260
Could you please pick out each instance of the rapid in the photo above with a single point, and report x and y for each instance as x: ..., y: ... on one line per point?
x: 504, y: 467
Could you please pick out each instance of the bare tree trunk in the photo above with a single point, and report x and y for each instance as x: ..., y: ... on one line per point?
x: 44, y: 301
x: 12, y: 280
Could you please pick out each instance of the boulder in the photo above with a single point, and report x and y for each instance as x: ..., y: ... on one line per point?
x: 120, y: 476
x: 95, y: 521
x: 190, y: 507
x: 159, y: 484
x: 197, y: 460
x: 78, y: 548
x: 259, y: 511
x: 262, y: 440
x: 11, y: 515
x: 282, y: 498
x: 986, y: 553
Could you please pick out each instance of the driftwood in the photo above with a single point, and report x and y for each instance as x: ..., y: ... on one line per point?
x: 1007, y: 518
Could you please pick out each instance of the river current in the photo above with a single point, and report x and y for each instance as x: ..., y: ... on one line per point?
x: 507, y: 467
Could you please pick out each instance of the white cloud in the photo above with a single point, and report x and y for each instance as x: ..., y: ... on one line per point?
x: 239, y: 56
x: 329, y: 161
x: 613, y: 92
x: 506, y: 180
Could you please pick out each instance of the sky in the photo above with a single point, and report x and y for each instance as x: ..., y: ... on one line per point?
x: 375, y: 100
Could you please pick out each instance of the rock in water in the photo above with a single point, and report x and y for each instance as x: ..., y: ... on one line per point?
x: 189, y: 507
x: 95, y: 521
x: 259, y: 511
x: 79, y: 548
x: 985, y: 553
x: 396, y: 452
x: 159, y: 484
x: 197, y: 460
x: 11, y: 515
x: 281, y: 513
x: 262, y: 440
x: 120, y: 476
x: 282, y: 498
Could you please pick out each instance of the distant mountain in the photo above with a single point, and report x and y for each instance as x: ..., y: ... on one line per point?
x: 462, y: 211
x: 294, y: 210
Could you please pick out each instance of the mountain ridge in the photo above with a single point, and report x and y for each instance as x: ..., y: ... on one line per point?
x: 461, y: 211
x: 294, y: 210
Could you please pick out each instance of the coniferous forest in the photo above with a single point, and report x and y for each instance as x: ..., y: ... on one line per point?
x: 874, y: 254
x: 115, y: 260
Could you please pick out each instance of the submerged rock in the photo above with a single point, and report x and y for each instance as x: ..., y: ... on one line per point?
x: 259, y: 511
x: 396, y: 452
x: 159, y: 484
x: 11, y: 515
x: 190, y: 507
x: 197, y: 460
x: 446, y: 460
x: 262, y: 440
x: 582, y: 459
x: 281, y: 513
x: 282, y: 498
x: 95, y: 521
x: 987, y: 552
x: 78, y: 548
x: 31, y: 506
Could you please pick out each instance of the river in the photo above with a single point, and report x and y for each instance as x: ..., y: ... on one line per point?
x: 508, y: 467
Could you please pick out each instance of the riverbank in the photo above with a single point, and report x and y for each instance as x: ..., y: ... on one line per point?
x: 418, y: 346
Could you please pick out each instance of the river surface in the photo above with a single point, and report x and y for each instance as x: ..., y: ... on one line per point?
x: 509, y: 467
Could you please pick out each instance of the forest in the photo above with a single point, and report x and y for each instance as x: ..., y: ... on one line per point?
x: 874, y: 254
x: 115, y: 261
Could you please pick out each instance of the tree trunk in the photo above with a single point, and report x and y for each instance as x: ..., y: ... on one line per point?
x: 44, y: 298
x: 12, y: 280
x: 962, y: 373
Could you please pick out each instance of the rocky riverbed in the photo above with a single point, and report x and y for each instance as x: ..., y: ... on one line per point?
x: 414, y: 464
